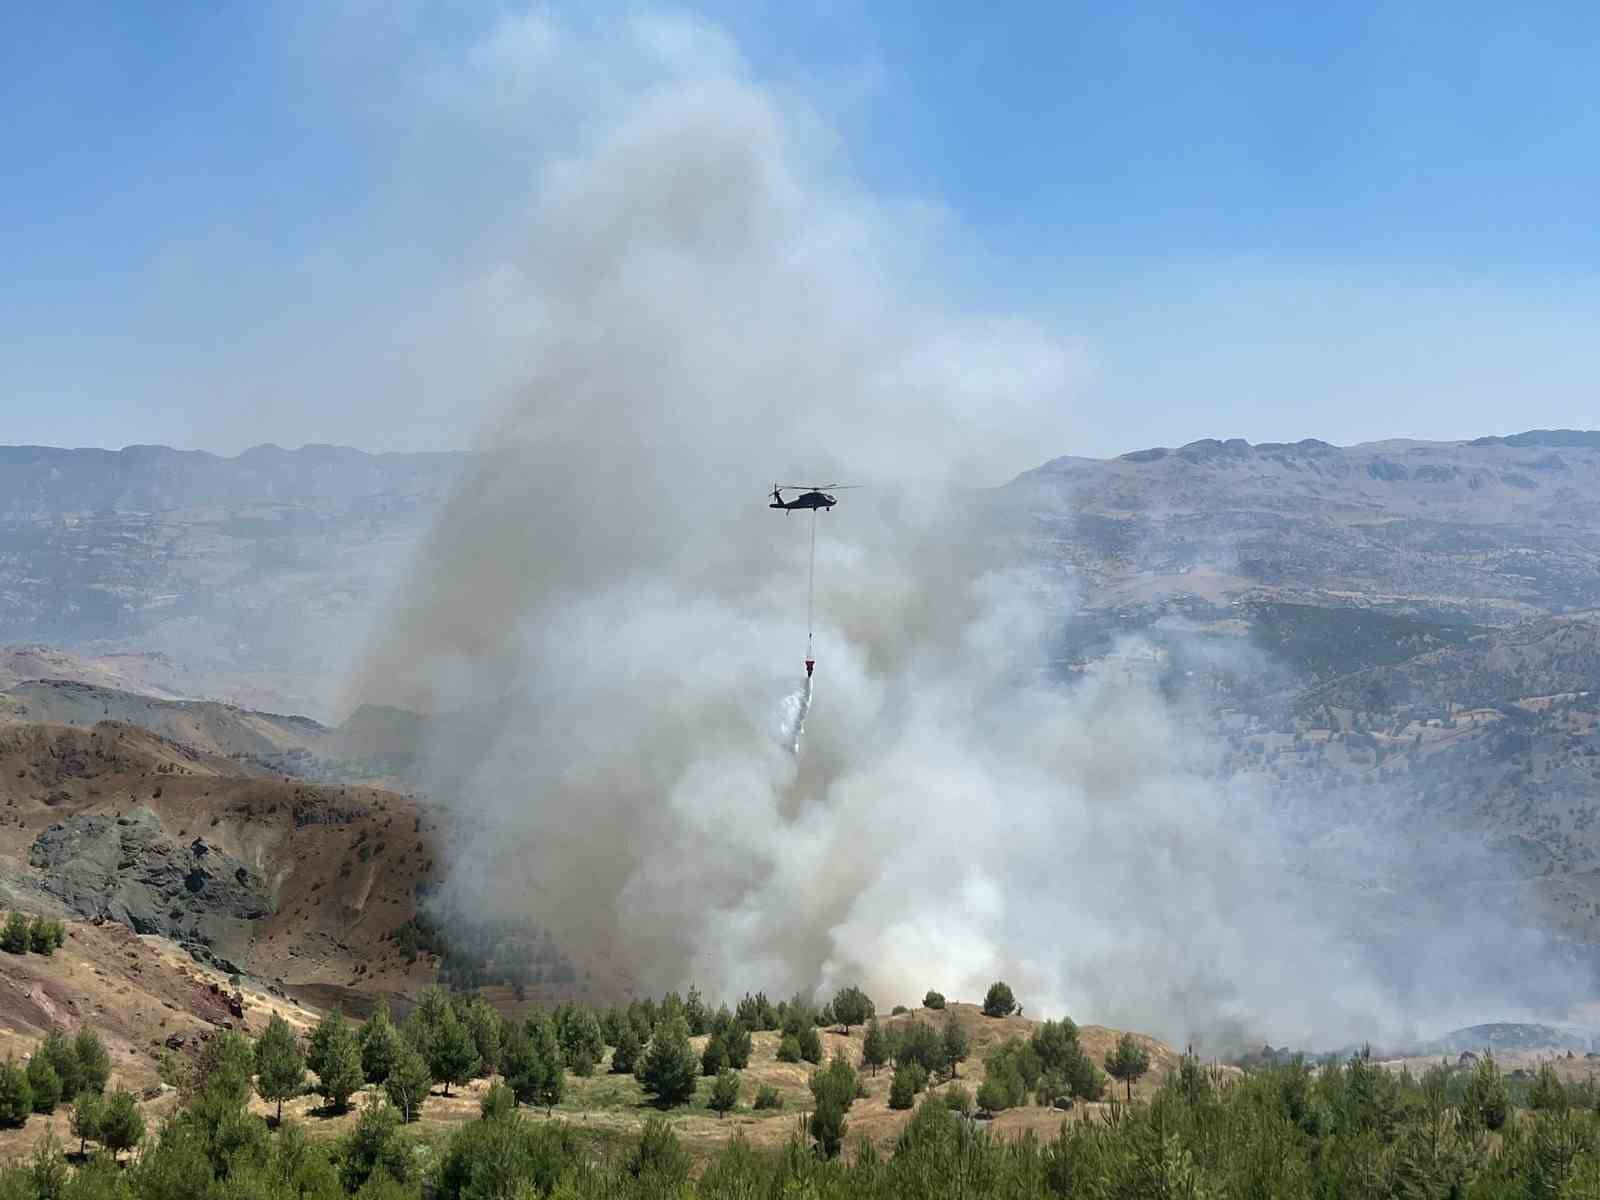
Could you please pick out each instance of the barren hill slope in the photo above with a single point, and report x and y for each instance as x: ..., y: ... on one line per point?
x: 143, y: 674
x: 284, y: 879
x: 209, y: 726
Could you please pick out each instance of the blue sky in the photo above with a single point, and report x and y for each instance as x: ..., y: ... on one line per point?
x: 229, y: 223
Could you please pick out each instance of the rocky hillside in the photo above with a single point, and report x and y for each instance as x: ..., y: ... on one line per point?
x: 1492, y: 531
x: 275, y: 878
x: 257, y: 573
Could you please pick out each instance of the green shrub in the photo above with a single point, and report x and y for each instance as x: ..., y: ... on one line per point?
x: 768, y: 1097
x: 902, y: 1088
x: 496, y: 1103
x: 487, y: 1160
x: 934, y: 1000
x: 17, y: 934
x: 995, y: 1095
x: 46, y: 936
x: 659, y: 1160
x: 374, y: 1146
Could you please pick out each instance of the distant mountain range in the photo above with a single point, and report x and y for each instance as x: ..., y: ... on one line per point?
x: 42, y: 482
x: 258, y: 573
x: 1494, y: 530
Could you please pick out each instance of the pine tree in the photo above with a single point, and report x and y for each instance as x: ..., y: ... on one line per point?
x: 225, y: 1070
x: 552, y: 1084
x: 874, y: 1047
x: 58, y: 1052
x: 1486, y: 1105
x: 94, y: 1061
x: 625, y: 1056
x: 667, y: 1070
x: 1128, y: 1062
x: 16, y: 1097
x: 482, y: 1024
x: 724, y: 1092
x: 838, y: 1079
x: 714, y: 1058
x: 810, y: 1044
x: 852, y: 1006
x: 827, y: 1125
x: 998, y: 1002
x: 422, y: 1026
x: 455, y: 1055
x: 993, y: 1095
x: 579, y: 1034
x: 336, y: 1058
x: 518, y: 1064
x: 40, y: 938
x: 374, y: 1148
x: 738, y: 1044
x: 48, y: 1169
x: 956, y: 1046
x: 121, y: 1123
x: 380, y: 1043
x: 86, y: 1112
x: 280, y: 1065
x: 902, y: 1088
x: 408, y: 1081
x: 497, y: 1103
x: 44, y: 1083
x: 695, y: 1014
x: 1547, y: 1094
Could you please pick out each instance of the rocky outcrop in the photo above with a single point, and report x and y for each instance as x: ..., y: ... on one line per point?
x: 128, y: 868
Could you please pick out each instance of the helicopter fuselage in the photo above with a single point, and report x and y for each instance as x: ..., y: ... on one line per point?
x: 805, y: 500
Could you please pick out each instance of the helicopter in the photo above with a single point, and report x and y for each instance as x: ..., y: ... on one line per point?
x: 811, y: 496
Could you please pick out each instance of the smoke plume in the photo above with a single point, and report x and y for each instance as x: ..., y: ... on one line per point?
x: 710, y: 312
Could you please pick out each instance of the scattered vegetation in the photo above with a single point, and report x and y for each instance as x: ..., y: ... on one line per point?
x: 40, y: 934
x: 1289, y: 1130
x: 477, y: 952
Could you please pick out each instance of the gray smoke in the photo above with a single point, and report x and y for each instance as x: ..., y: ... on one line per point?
x: 611, y: 597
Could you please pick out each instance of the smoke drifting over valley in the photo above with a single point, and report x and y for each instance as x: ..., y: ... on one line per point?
x: 707, y: 311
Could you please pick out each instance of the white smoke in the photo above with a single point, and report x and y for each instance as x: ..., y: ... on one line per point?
x: 707, y: 312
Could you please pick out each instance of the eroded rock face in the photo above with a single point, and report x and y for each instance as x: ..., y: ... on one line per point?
x: 128, y: 869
